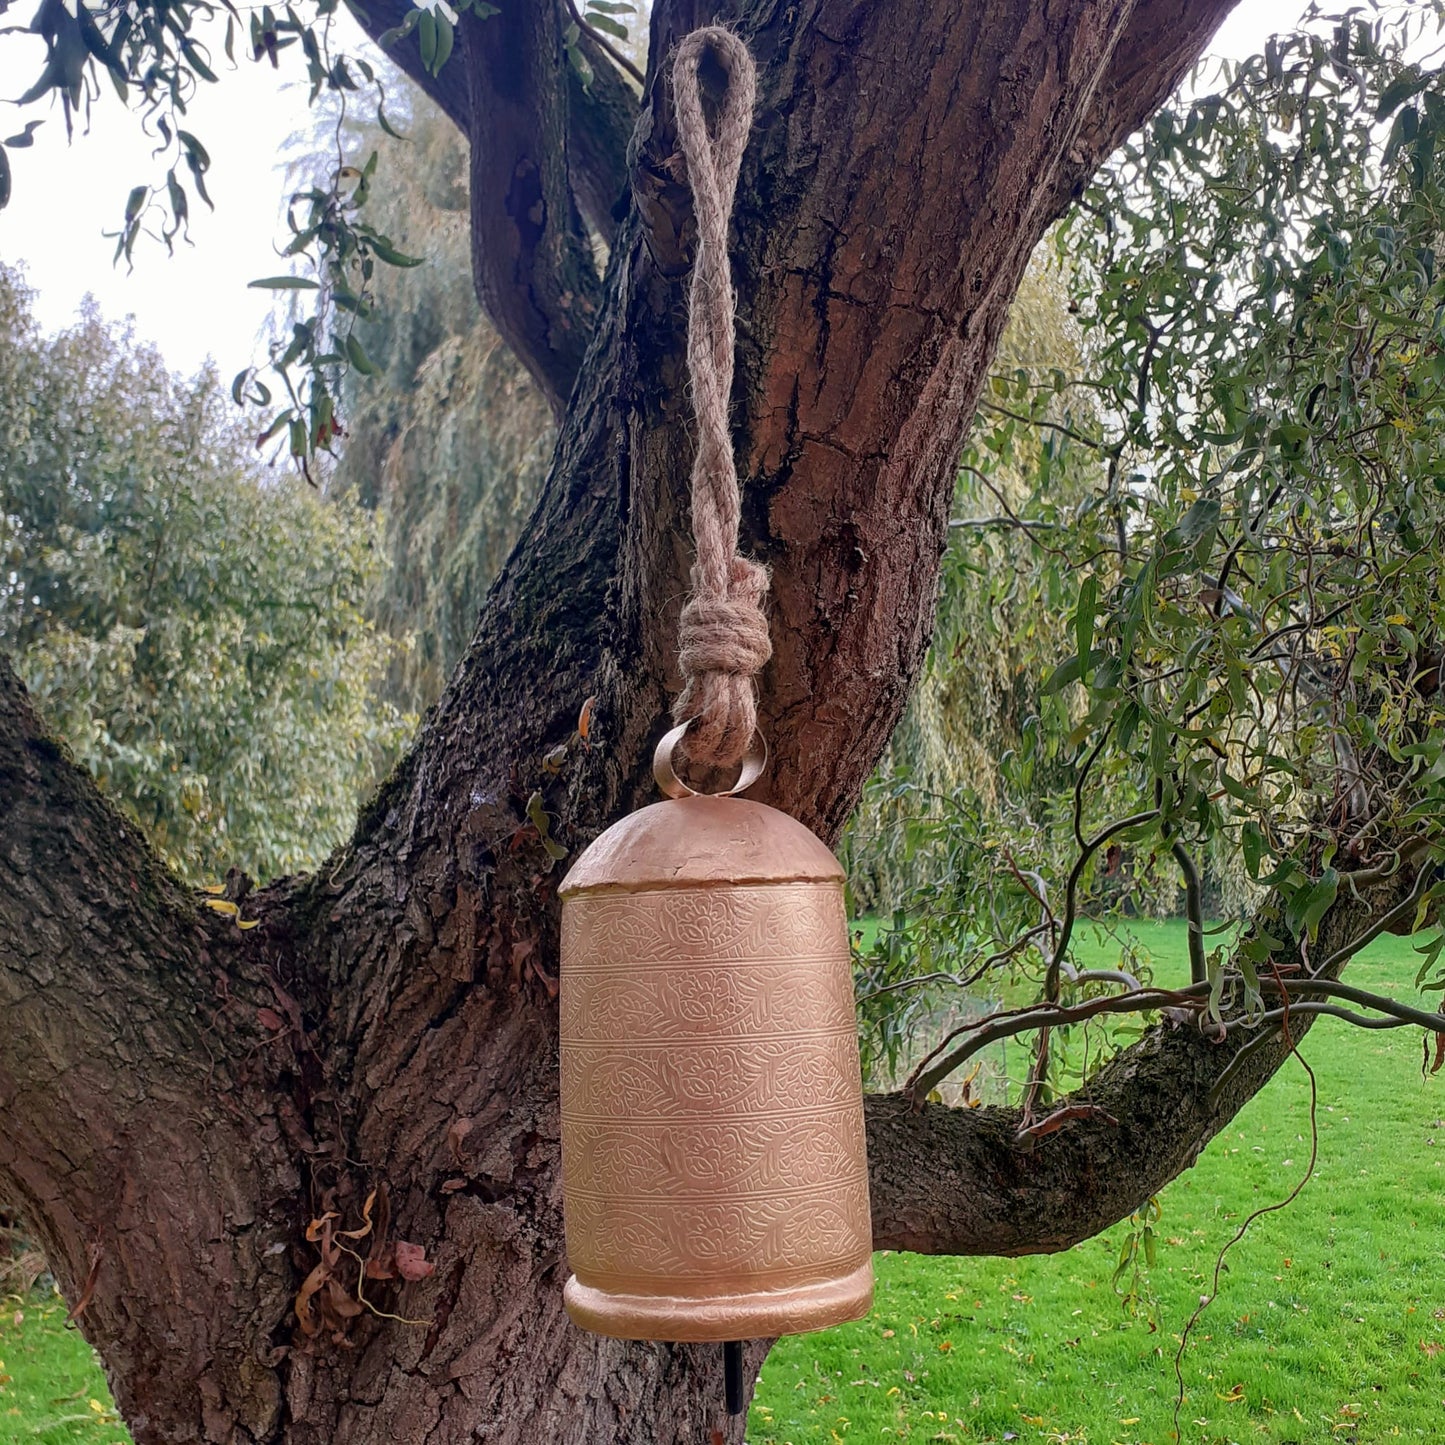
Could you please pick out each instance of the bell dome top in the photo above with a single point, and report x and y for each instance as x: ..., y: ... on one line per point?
x: 687, y: 842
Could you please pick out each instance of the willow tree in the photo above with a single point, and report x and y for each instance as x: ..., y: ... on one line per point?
x: 211, y: 1127
x: 450, y: 441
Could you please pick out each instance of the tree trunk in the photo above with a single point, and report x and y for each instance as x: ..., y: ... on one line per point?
x: 192, y: 1113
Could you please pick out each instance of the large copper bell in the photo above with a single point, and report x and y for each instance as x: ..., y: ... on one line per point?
x: 713, y: 1164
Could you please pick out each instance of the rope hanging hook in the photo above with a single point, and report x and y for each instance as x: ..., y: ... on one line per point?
x: 723, y: 638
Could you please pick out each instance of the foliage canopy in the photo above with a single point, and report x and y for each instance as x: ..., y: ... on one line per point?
x: 192, y: 625
x: 1236, y: 505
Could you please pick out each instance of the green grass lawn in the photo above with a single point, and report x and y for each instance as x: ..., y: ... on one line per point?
x: 1330, y: 1324
x: 51, y: 1389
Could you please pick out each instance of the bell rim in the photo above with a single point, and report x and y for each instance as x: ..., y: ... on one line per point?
x: 693, y: 1319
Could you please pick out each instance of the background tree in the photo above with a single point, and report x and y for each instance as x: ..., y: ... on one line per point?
x: 978, y: 691
x: 1248, y: 555
x: 190, y: 624
x: 191, y: 1112
x: 449, y: 439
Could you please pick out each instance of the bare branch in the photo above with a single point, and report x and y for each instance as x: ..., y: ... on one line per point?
x: 1153, y: 54
x: 115, y: 1077
x: 1004, y: 1025
x: 1193, y: 912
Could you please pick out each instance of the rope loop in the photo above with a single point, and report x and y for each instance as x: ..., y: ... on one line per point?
x: 723, y: 636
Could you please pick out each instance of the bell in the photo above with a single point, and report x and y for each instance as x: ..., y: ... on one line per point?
x: 714, y: 1175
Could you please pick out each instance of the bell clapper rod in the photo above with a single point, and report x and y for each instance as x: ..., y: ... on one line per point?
x: 733, y: 1375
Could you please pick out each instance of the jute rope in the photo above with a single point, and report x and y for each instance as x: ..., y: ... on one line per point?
x: 723, y: 634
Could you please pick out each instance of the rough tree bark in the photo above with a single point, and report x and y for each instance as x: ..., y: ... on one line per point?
x: 180, y: 1098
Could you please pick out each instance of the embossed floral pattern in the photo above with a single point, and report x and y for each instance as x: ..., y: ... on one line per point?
x: 712, y: 1122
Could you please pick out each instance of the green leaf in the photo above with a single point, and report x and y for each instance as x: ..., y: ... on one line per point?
x: 581, y: 66
x: 386, y: 125
x: 1409, y: 83
x: 283, y: 419
x: 1202, y: 517
x: 356, y: 354
x: 199, y: 162
x: 385, y: 251
x: 397, y: 33
x: 1215, y: 972
x: 1318, y: 901
x: 1252, y: 843
x: 606, y: 23
x: 284, y: 283
x: 23, y: 138
x: 97, y: 44
x: 1066, y: 672
x: 426, y: 35
x: 193, y: 54
x: 446, y: 38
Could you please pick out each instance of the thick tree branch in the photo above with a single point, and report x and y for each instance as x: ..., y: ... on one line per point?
x: 1163, y: 40
x: 600, y: 115
x: 139, y: 1158
x: 531, y: 257
x: 957, y: 1181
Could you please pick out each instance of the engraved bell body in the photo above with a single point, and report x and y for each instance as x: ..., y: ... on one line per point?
x: 714, y: 1174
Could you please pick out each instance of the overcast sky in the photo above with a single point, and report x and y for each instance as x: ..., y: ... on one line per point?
x: 196, y: 303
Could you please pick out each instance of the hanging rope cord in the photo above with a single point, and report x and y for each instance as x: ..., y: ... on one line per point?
x: 723, y: 633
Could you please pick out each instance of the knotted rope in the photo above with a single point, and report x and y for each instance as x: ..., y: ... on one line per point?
x: 723, y: 634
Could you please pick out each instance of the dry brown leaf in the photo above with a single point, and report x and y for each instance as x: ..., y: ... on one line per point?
x: 411, y: 1261
x: 318, y: 1227
x: 382, y: 1266
x: 366, y: 1220
x: 339, y: 1304
x: 458, y: 1131
x: 310, y: 1325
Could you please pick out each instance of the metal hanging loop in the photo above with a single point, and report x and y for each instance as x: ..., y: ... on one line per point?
x: 754, y: 761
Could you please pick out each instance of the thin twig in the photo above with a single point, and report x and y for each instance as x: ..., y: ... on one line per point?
x: 1380, y: 925
x: 1037, y: 1016
x: 968, y: 979
x: 1400, y: 856
x: 1193, y: 911
x: 1334, y: 988
x: 1092, y: 846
